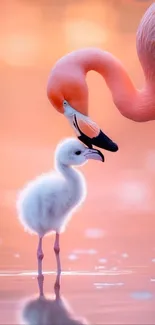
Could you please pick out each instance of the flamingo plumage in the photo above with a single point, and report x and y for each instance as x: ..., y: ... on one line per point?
x: 67, y: 89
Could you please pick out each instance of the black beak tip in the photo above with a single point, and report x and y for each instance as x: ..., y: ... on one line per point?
x: 114, y: 147
x: 102, y: 141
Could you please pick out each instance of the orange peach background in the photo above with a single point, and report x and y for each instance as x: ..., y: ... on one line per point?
x: 118, y: 215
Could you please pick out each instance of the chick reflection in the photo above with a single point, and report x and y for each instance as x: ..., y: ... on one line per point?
x: 51, y: 310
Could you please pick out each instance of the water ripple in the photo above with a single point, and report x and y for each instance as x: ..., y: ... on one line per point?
x: 66, y: 273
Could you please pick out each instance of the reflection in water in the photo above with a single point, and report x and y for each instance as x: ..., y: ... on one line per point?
x: 101, y: 285
x: 141, y: 295
x: 51, y: 309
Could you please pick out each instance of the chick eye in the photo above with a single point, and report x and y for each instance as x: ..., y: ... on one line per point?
x: 78, y: 152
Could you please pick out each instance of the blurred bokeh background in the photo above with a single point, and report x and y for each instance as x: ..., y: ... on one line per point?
x: 115, y: 226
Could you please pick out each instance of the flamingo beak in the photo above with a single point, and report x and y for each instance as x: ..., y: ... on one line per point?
x: 104, y: 142
x: 87, y: 130
x: 94, y: 154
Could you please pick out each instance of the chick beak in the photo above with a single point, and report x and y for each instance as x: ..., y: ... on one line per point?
x: 94, y: 154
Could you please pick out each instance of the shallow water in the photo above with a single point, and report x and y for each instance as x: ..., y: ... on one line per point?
x: 110, y: 297
x: 108, y: 249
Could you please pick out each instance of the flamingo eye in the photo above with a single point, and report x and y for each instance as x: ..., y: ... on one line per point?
x: 64, y: 102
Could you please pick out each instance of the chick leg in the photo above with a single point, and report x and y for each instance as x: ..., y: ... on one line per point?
x: 40, y: 257
x: 57, y: 255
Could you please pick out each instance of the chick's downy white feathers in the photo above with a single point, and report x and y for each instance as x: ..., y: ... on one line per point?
x: 47, y: 202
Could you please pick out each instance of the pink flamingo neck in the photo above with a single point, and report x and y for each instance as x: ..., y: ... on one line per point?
x: 137, y: 105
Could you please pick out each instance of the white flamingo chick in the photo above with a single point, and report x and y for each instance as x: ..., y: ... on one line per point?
x: 46, y: 203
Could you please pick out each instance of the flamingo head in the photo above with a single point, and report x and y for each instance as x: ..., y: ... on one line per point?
x: 67, y: 91
x: 66, y: 83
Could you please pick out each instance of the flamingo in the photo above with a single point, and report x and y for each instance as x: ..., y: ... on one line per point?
x: 46, y: 203
x: 67, y: 90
